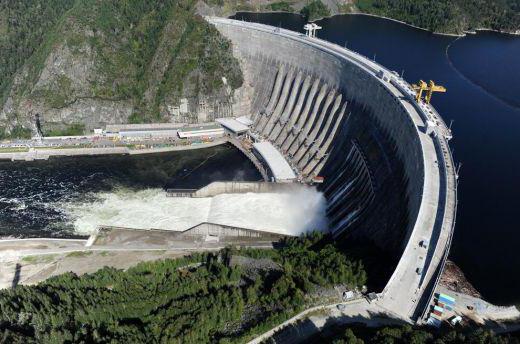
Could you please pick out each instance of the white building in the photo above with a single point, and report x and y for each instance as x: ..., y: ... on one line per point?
x: 211, y: 130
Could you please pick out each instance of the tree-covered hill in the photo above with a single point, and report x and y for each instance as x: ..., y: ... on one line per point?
x: 199, y: 299
x: 449, y: 16
x: 359, y: 334
x: 94, y: 62
x: 446, y: 16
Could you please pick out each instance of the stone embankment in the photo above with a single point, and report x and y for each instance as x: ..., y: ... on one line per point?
x: 453, y: 279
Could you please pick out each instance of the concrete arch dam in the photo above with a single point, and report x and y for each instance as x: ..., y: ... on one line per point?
x: 387, y: 167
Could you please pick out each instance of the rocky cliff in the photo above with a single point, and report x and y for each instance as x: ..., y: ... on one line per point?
x: 104, y: 62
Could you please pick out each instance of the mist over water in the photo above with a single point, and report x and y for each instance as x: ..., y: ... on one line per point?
x: 74, y: 196
x: 294, y: 212
x: 143, y: 209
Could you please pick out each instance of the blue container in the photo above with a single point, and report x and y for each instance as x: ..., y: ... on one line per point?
x: 446, y: 301
x: 446, y: 297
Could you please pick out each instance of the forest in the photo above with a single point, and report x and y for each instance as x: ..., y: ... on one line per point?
x: 449, y: 16
x: 23, y: 26
x: 358, y: 334
x: 197, y: 299
x: 315, y: 10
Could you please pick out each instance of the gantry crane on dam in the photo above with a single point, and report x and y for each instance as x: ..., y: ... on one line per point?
x: 431, y: 87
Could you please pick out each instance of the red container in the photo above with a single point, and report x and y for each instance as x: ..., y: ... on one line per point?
x: 439, y: 314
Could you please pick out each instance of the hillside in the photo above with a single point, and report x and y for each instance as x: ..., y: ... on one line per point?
x: 445, y: 16
x: 449, y: 16
x: 226, y: 297
x: 86, y: 63
x: 89, y: 63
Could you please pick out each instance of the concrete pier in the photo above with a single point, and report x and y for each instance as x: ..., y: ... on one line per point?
x: 314, y: 166
x: 311, y: 136
x: 266, y: 130
x: 295, y: 130
x: 303, y: 134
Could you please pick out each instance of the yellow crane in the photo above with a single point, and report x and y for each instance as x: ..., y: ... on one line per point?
x: 421, y: 86
x: 433, y: 88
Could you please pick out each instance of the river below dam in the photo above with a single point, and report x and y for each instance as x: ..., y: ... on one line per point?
x: 481, y: 74
x: 64, y: 197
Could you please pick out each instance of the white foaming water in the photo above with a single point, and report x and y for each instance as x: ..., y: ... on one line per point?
x: 299, y: 211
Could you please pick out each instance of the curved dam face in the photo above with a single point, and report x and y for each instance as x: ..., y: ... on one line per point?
x: 387, y: 169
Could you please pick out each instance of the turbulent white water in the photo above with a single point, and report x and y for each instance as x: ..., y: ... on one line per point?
x: 290, y: 213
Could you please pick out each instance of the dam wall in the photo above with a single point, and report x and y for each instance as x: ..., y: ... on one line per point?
x: 374, y: 122
x: 389, y: 175
x: 205, y: 232
x: 212, y: 231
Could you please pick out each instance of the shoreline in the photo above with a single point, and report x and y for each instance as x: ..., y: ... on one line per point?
x: 350, y: 14
x: 507, y: 33
x: 407, y: 24
x: 457, y: 35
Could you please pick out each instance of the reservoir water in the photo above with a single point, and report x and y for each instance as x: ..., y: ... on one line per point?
x: 481, y: 73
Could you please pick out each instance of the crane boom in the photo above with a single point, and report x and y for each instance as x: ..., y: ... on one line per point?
x: 433, y: 88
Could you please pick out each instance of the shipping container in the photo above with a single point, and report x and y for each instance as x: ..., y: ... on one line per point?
x: 446, y: 301
x: 445, y: 306
x: 439, y: 309
x: 435, y: 316
x: 437, y: 313
x: 446, y: 297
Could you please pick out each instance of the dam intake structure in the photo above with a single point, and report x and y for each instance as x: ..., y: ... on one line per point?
x: 387, y: 170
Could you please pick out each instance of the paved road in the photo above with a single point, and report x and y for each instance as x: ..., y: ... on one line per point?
x: 15, y: 248
x: 358, y: 311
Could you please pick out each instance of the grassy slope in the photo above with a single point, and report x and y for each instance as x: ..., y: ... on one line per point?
x: 315, y: 10
x: 23, y: 29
